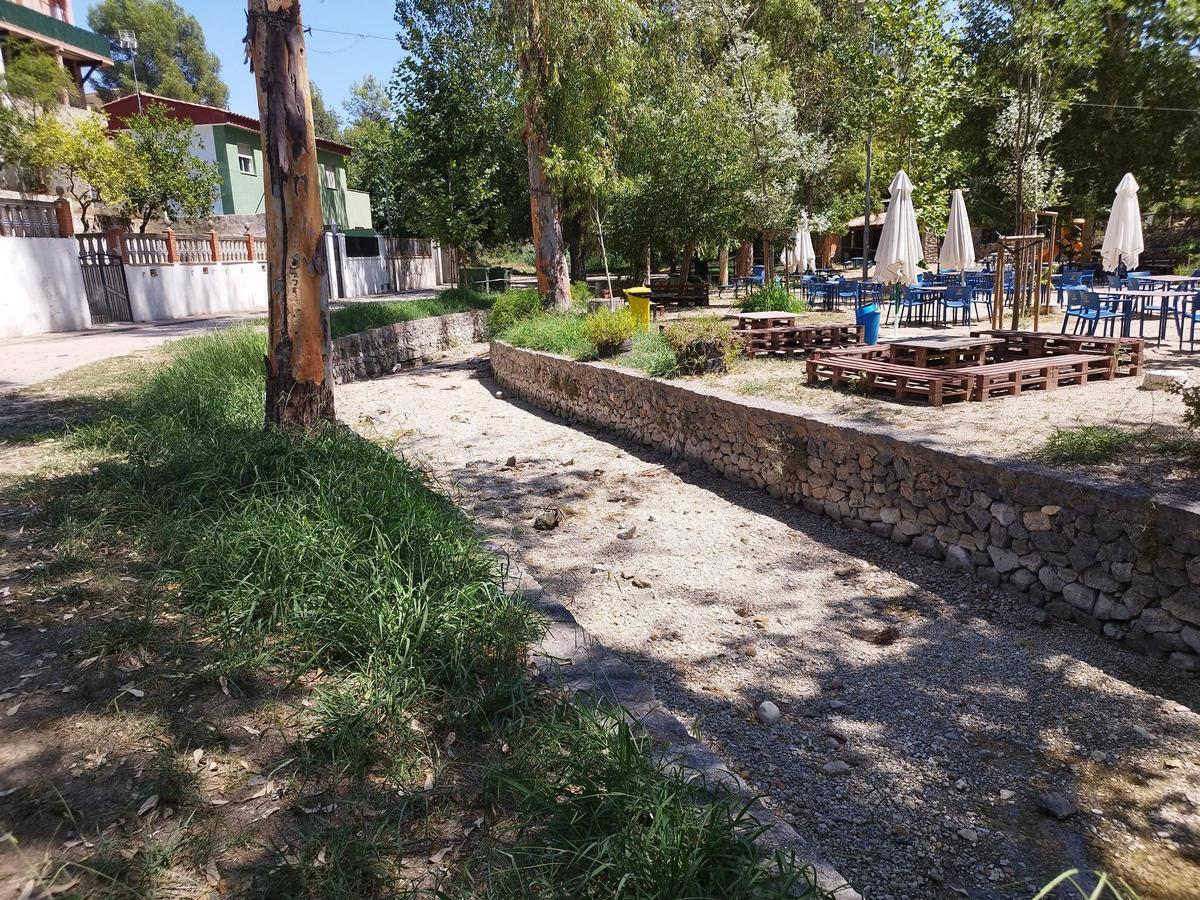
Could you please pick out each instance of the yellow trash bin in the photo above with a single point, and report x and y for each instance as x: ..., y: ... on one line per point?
x: 638, y: 299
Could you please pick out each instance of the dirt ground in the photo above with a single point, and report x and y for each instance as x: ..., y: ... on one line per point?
x: 925, y: 718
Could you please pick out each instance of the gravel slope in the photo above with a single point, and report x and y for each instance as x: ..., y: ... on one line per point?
x: 924, y: 717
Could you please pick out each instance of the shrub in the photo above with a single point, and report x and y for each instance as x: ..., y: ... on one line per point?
x: 511, y: 307
x: 1191, y: 403
x: 704, y: 344
x: 653, y: 354
x: 772, y: 298
x: 609, y: 329
x: 581, y: 293
x: 358, y: 317
x: 552, y: 332
x: 1088, y: 445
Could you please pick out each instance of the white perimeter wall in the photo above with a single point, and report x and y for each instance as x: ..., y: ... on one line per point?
x: 41, y: 286
x: 157, y: 293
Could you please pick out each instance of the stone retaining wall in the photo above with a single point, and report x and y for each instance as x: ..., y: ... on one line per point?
x: 381, y: 351
x: 1115, y: 559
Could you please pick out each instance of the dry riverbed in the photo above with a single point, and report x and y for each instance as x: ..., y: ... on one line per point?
x: 935, y: 740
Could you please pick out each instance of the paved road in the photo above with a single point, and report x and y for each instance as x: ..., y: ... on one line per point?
x: 28, y: 360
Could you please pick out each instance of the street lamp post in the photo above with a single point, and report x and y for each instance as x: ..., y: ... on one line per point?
x: 127, y: 38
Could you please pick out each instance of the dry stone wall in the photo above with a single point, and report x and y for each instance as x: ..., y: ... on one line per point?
x: 1117, y: 560
x: 381, y: 351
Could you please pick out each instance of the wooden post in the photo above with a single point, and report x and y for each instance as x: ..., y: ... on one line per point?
x: 214, y: 246
x: 998, y: 285
x: 299, y: 365
x: 249, y: 246
x: 172, y: 247
x: 62, y: 213
x: 723, y: 263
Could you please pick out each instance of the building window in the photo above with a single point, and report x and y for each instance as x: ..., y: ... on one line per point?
x: 329, y: 176
x: 245, y: 159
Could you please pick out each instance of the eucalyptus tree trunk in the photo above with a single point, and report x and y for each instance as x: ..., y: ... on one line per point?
x: 553, y: 278
x: 299, y: 368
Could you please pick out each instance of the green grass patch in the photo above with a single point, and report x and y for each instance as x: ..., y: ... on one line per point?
x: 1088, y: 445
x: 772, y: 298
x: 552, y: 332
x: 358, y: 317
x: 652, y: 354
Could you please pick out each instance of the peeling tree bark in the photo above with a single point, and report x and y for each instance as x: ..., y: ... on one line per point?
x: 554, y: 281
x: 299, y: 367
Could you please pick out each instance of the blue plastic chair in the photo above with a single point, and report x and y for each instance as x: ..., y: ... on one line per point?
x: 910, y: 299
x: 1089, y: 310
x: 957, y: 299
x: 1187, y: 312
x: 869, y: 292
x: 846, y: 291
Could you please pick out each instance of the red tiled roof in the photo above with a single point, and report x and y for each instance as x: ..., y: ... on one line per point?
x: 198, y: 114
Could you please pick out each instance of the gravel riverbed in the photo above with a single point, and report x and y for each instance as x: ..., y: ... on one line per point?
x: 934, y: 739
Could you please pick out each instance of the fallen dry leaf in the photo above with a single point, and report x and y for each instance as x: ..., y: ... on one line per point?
x: 148, y: 804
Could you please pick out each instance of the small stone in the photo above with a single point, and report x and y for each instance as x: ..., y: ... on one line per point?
x: 968, y: 834
x: 836, y: 767
x: 640, y: 582
x: 1056, y: 805
x: 768, y: 713
x: 960, y: 785
x: 1006, y: 794
x: 499, y: 395
x: 750, y: 650
x: 683, y: 468
x: 845, y: 571
x: 1172, y: 763
x: 510, y: 463
x: 836, y: 704
x: 1142, y: 733
x: 569, y: 461
x: 885, y: 636
x: 628, y: 533
x: 547, y: 520
x: 1098, y: 756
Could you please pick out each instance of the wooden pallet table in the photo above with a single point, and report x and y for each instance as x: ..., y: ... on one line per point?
x: 902, y: 382
x: 941, y: 351
x: 1005, y: 379
x: 776, y: 334
x: 1130, y: 352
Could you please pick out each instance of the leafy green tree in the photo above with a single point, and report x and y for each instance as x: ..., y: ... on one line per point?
x: 169, y: 178
x: 172, y: 57
x: 326, y: 123
x: 31, y: 86
x: 455, y: 148
x: 93, y: 165
x: 369, y: 101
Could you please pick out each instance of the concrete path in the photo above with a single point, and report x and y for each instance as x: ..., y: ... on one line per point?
x: 28, y: 360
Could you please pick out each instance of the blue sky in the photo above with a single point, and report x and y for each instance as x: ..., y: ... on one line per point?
x: 334, y: 60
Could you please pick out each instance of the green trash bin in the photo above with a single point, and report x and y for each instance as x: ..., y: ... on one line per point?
x: 638, y: 299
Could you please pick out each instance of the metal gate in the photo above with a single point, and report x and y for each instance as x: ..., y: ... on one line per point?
x: 104, y: 280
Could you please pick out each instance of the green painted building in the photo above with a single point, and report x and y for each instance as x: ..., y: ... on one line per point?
x: 232, y: 142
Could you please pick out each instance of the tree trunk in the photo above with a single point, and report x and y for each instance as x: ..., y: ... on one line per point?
x: 723, y: 263
x: 745, y: 259
x: 685, y: 267
x: 552, y: 260
x: 573, y: 231
x: 299, y: 368
x: 646, y: 267
x: 768, y: 260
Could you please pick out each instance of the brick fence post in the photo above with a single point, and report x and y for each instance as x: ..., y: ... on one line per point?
x: 172, y: 248
x: 214, y: 245
x: 116, y: 244
x: 66, y: 222
x: 249, y: 246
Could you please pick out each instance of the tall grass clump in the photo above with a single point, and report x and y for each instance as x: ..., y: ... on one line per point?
x: 511, y: 307
x: 552, y: 332
x: 1087, y: 445
x: 323, y: 548
x: 772, y: 298
x: 608, y: 329
x: 653, y: 354
x: 602, y: 820
x: 357, y: 317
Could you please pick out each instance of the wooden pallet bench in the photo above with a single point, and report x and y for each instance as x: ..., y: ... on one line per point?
x: 902, y: 382
x: 1130, y: 352
x: 1005, y: 379
x: 689, y: 294
x: 794, y: 340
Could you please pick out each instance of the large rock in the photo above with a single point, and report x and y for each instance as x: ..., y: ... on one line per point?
x: 1079, y: 596
x: 1157, y: 621
x: 1005, y: 561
